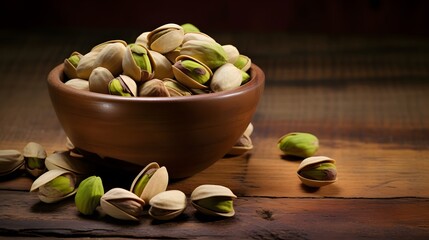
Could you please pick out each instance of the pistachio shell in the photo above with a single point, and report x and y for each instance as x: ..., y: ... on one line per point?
x: 243, y: 145
x: 156, y: 184
x: 243, y: 62
x: 131, y: 68
x: 163, y: 66
x: 232, y: 53
x: 311, y: 161
x: 47, y: 177
x: 99, y: 80
x: 86, y: 65
x: 34, y: 156
x: 166, y: 38
x: 226, y: 77
x: 172, y: 55
x: 63, y: 160
x: 197, y: 36
x: 187, y: 80
x: 97, y: 48
x: 175, y: 88
x: 110, y: 57
x: 123, y: 86
x: 10, y: 160
x: 70, y: 67
x: 77, y: 83
x: 34, y: 150
x: 249, y: 129
x: 210, y: 53
x: 167, y: 205
x: 142, y: 39
x: 108, y: 200
x: 153, y: 88
x: 209, y: 191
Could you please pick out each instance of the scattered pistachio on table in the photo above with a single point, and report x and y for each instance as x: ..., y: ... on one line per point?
x: 179, y: 52
x: 88, y: 195
x: 152, y: 180
x: 215, y: 200
x: 34, y: 155
x: 122, y: 204
x: 299, y: 144
x: 167, y: 205
x: 55, y: 185
x: 10, y: 161
x: 317, y: 171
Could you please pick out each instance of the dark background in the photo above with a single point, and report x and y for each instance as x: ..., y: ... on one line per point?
x: 409, y: 17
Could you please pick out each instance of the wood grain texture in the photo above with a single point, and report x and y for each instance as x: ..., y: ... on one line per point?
x: 364, y: 97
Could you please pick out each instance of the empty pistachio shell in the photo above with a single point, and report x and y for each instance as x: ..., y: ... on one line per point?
x: 70, y: 64
x: 99, y: 80
x: 34, y: 156
x: 152, y: 180
x: 299, y: 144
x: 167, y: 205
x: 213, y: 200
x: 122, y: 204
x: 165, y: 38
x: 10, y: 160
x: 138, y: 62
x: 249, y: 129
x: 123, y: 86
x: 54, y: 185
x: 317, y: 171
x: 210, y: 53
x: 88, y: 195
x: 78, y: 83
x: 226, y: 77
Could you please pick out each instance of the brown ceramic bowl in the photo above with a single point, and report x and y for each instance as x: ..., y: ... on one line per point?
x: 185, y: 134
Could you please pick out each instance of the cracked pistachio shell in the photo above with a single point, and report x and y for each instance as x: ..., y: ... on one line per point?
x: 34, y: 156
x: 212, y: 193
x: 183, y: 75
x: 153, y: 88
x: 138, y: 62
x: 226, y: 77
x: 122, y: 204
x: 123, y: 86
x: 142, y: 39
x: 54, y: 185
x: 64, y: 161
x: 211, y: 54
x: 243, y: 62
x: 163, y: 66
x: 167, y: 205
x: 243, y: 145
x: 298, y: 144
x: 99, y: 80
x: 232, y: 53
x: 77, y: 83
x: 312, y: 162
x: 198, y: 36
x: 10, y: 160
x: 70, y: 64
x: 166, y: 38
x: 152, y: 180
x: 175, y: 88
x: 86, y: 65
x: 111, y: 57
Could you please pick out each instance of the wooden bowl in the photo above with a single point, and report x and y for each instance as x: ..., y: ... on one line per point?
x: 184, y: 134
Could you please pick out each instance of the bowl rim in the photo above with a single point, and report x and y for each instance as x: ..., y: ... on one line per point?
x: 58, y: 70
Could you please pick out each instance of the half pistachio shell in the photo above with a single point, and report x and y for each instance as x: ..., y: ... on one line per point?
x: 226, y: 77
x: 167, y: 205
x: 308, y: 162
x: 243, y: 145
x: 70, y: 64
x: 132, y: 69
x: 122, y: 204
x: 232, y: 53
x: 162, y: 66
x: 186, y: 80
x: 166, y: 38
x: 207, y: 191
x: 47, y: 177
x: 152, y: 180
x: 10, y: 160
x: 64, y: 161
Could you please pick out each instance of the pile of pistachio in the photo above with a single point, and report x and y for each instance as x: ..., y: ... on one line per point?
x: 65, y: 174
x: 171, y: 60
x: 313, y: 171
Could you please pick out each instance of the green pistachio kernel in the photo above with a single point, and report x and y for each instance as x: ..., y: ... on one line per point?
x: 141, y: 58
x: 299, y: 144
x: 217, y: 204
x: 322, y: 171
x: 88, y: 195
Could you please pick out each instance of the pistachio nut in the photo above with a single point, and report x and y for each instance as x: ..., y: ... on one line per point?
x: 88, y: 195
x: 191, y: 72
x: 99, y: 80
x: 232, y: 53
x: 165, y: 38
x: 172, y: 55
x: 99, y: 47
x: 63, y: 160
x: 34, y: 156
x: 162, y: 65
x: 123, y: 86
x: 54, y: 185
x: 211, y: 54
x: 70, y: 64
x: 77, y: 83
x: 245, y: 77
x: 317, y: 171
x: 226, y: 77
x: 243, y: 62
x: 167, y: 205
x: 142, y: 39
x: 197, y: 36
x: 122, y: 204
x: 243, y: 145
x: 189, y: 27
x: 153, y: 88
x: 10, y: 160
x: 86, y: 65
x: 138, y: 63
x: 175, y: 88
x: 211, y: 199
x: 152, y: 180
x: 110, y: 57
x: 299, y: 144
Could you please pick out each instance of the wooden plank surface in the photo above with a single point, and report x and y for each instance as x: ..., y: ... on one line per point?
x: 364, y: 97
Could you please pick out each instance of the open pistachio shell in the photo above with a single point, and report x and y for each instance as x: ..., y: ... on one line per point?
x: 142, y: 39
x: 49, y: 176
x: 311, y: 161
x: 167, y: 205
x: 243, y: 145
x: 70, y: 66
x: 131, y: 68
x: 122, y: 204
x: 34, y: 156
x: 157, y: 183
x: 10, y: 160
x: 162, y: 66
x: 64, y: 161
x: 208, y: 191
x: 166, y: 38
x: 110, y: 57
x: 243, y: 62
x: 185, y: 79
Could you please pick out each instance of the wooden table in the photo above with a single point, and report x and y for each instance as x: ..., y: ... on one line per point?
x: 365, y: 98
